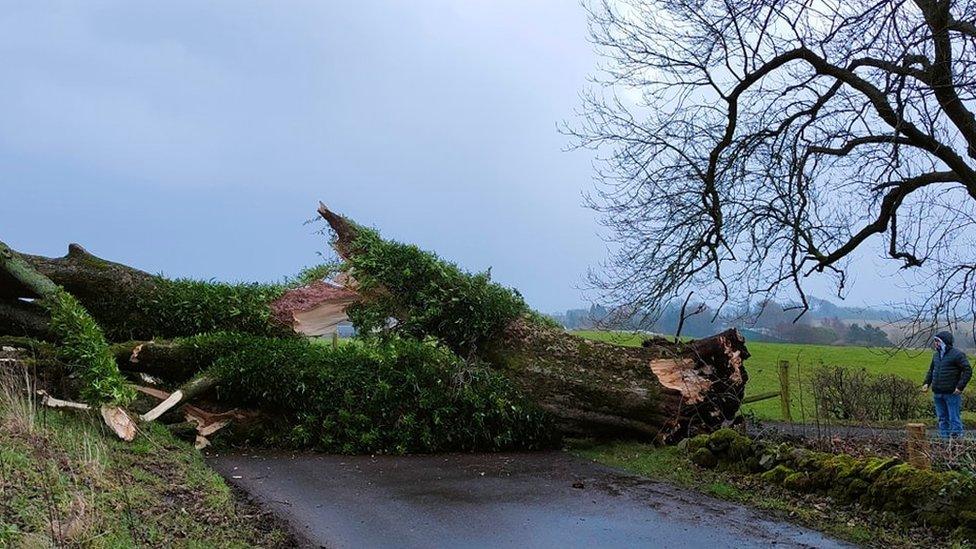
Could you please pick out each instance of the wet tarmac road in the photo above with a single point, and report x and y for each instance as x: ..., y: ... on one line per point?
x: 545, y: 499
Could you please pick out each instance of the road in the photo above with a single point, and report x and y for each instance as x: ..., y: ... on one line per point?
x: 547, y: 499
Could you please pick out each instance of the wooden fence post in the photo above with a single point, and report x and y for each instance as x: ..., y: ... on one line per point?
x: 919, y: 451
x: 784, y: 390
x: 335, y: 339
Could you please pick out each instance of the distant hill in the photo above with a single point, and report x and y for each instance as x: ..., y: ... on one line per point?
x: 822, y: 308
x: 825, y: 323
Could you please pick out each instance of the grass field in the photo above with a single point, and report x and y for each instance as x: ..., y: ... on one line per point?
x: 764, y: 377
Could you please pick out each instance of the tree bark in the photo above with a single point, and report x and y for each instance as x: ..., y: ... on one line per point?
x: 198, y: 385
x: 80, y: 273
x: 665, y: 391
x: 23, y: 318
x: 166, y: 359
x: 112, y: 289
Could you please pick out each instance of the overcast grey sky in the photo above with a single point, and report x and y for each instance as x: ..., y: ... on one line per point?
x: 193, y: 138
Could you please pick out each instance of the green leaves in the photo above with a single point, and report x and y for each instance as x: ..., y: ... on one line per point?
x: 84, y: 348
x: 389, y: 397
x: 430, y: 297
x: 185, y: 307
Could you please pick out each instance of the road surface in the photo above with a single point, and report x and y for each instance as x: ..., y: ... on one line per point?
x: 547, y: 499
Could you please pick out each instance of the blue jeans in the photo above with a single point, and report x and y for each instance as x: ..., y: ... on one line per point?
x: 948, y: 410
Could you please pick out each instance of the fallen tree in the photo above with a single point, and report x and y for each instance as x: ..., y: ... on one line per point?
x: 664, y: 391
x: 591, y: 388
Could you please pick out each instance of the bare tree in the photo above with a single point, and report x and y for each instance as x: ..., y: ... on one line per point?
x: 749, y: 146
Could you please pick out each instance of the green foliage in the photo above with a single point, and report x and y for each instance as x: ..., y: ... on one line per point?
x: 84, y: 348
x: 543, y: 320
x: 429, y: 296
x: 185, y: 307
x: 395, y: 397
x: 314, y: 273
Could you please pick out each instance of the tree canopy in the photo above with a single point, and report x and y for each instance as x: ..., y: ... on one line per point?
x: 748, y: 146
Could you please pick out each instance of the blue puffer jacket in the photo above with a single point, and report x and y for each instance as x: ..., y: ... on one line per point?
x: 950, y: 371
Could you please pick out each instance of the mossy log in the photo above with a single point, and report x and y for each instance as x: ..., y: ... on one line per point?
x: 665, y: 391
x: 132, y: 304
x: 80, y: 273
x: 83, y: 343
x: 599, y: 389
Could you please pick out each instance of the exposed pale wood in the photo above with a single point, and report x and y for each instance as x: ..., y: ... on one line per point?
x: 315, y: 309
x: 919, y: 449
x: 188, y: 391
x: 164, y: 406
x: 52, y: 402
x: 119, y: 421
x: 153, y: 392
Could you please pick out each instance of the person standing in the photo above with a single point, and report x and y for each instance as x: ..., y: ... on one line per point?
x: 948, y: 375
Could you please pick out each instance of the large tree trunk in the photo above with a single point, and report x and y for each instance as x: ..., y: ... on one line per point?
x: 662, y: 391
x: 600, y: 389
x: 80, y: 273
x: 110, y: 292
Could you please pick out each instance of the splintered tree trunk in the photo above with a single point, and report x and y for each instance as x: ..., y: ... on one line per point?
x: 662, y: 391
x: 598, y: 389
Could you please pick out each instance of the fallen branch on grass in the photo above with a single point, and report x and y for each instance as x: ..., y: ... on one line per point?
x: 114, y: 417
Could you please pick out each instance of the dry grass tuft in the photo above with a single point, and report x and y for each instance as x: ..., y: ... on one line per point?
x: 18, y: 405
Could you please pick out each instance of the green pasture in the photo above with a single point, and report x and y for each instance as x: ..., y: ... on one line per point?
x: 764, y: 377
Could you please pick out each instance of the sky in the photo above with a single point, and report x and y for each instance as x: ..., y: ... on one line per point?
x: 195, y: 138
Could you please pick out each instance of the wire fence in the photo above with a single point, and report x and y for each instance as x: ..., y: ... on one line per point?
x: 848, y: 410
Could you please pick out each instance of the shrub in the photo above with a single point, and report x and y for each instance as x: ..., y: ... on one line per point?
x: 430, y: 297
x: 396, y: 397
x: 969, y: 399
x: 854, y: 394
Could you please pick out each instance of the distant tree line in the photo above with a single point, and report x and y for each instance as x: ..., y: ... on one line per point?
x: 827, y: 324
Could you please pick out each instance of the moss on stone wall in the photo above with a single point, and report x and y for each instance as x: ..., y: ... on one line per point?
x: 945, y: 499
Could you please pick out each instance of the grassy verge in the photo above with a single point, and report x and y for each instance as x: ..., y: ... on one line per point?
x: 66, y: 483
x: 849, y: 522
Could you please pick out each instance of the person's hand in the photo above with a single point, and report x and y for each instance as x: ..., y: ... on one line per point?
x: 925, y: 388
x: 957, y: 392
